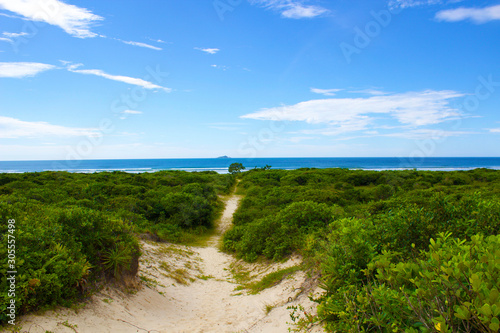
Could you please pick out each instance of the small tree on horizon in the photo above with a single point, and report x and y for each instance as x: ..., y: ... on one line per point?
x: 236, y: 168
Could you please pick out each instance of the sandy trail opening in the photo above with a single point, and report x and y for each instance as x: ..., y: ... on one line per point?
x: 187, y: 289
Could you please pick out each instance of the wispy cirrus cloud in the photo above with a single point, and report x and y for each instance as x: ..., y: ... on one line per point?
x: 76, y: 21
x: 10, y: 36
x: 374, y: 92
x: 132, y: 112
x: 157, y: 40
x: 326, y: 92
x: 426, y: 133
x: 415, y: 134
x: 10, y: 16
x: 494, y: 130
x: 120, y: 78
x: 334, y: 128
x: 12, y: 128
x: 143, y: 45
x: 344, y: 115
x: 23, y: 69
x: 415, y: 3
x: 139, y: 44
x: 221, y: 67
x: 207, y: 50
x: 14, y: 34
x: 293, y: 9
x: 476, y: 15
x: 126, y: 113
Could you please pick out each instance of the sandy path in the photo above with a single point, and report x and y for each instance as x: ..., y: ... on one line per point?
x: 186, y: 289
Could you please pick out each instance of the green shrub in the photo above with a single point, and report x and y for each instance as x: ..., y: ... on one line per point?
x: 60, y: 253
x: 279, y: 235
x: 453, y: 287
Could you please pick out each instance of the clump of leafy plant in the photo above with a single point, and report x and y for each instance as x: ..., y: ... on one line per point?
x: 61, y: 253
x: 280, y: 235
x: 452, y: 287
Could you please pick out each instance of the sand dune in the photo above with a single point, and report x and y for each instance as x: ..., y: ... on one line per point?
x: 187, y: 289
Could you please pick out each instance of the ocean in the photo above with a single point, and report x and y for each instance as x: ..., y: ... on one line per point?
x: 221, y: 165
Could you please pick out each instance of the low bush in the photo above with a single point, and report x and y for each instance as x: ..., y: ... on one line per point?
x: 452, y: 287
x: 279, y: 235
x: 61, y: 253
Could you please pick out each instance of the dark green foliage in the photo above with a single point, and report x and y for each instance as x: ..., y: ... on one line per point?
x: 59, y: 252
x: 235, y: 168
x: 372, y: 246
x: 279, y: 235
x: 366, y: 233
x: 452, y: 287
x: 73, y: 229
x: 155, y: 202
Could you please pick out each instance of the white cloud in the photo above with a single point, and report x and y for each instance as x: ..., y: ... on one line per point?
x: 354, y: 114
x: 208, y: 50
x: 143, y: 45
x: 415, y: 3
x: 132, y: 112
x: 374, y: 92
x: 476, y: 15
x: 14, y: 34
x: 10, y: 16
x: 126, y: 113
x: 126, y: 79
x: 157, y: 40
x: 222, y: 67
x: 340, y: 127
x: 22, y: 69
x: 74, y: 20
x: 298, y: 11
x: 293, y: 9
x: 326, y: 92
x: 495, y: 130
x: 9, y: 36
x: 423, y: 134
x: 421, y: 108
x: 411, y: 3
x: 12, y: 128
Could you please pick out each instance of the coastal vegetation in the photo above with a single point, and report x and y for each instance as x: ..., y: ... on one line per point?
x: 236, y: 168
x: 395, y: 251
x: 74, y: 231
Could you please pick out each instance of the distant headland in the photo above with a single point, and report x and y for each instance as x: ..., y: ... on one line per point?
x: 225, y: 156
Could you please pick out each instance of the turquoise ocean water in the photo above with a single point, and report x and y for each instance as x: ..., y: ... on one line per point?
x: 221, y: 164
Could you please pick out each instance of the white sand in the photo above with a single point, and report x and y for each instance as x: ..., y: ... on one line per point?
x: 207, y: 303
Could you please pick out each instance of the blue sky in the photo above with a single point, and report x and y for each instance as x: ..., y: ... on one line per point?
x: 85, y: 79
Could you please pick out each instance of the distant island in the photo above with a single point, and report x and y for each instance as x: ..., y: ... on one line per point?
x: 225, y: 156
